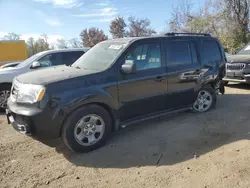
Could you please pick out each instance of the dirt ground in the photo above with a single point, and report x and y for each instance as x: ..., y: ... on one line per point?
x: 210, y: 150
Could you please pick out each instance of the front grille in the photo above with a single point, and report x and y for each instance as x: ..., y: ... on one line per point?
x: 235, y: 66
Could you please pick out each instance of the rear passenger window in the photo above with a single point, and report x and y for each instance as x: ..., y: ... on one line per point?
x: 210, y: 52
x: 179, y: 53
x: 70, y: 57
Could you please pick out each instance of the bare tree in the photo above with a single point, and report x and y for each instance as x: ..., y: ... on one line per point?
x: 238, y: 13
x: 92, y: 36
x: 117, y: 27
x: 75, y: 43
x: 139, y: 27
x: 186, y: 19
x: 11, y: 36
x: 52, y: 46
x: 31, y: 46
x: 61, y: 44
x: 181, y: 15
x: 39, y: 45
x: 226, y: 19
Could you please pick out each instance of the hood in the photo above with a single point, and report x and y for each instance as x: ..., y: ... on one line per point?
x: 9, y: 65
x: 52, y: 74
x: 239, y: 59
x: 9, y: 73
x: 9, y: 70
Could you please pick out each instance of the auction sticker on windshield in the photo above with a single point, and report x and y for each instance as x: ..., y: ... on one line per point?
x: 115, y: 47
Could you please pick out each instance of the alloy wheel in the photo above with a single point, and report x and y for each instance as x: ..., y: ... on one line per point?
x: 203, y: 101
x: 4, y: 95
x: 89, y: 130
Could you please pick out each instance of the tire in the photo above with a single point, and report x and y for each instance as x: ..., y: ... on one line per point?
x: 4, y: 94
x: 207, y: 94
x: 81, y: 126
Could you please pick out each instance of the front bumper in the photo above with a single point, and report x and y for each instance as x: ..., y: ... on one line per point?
x: 236, y: 80
x: 41, y: 124
x: 243, y: 79
x: 240, y: 76
x: 20, y: 126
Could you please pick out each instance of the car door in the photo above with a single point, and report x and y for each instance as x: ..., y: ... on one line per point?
x: 143, y: 92
x: 69, y: 58
x: 183, y: 69
x: 52, y: 59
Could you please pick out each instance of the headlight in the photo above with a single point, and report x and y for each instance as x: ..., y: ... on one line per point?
x: 27, y: 93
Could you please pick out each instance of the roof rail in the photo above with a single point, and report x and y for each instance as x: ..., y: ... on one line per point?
x: 190, y: 34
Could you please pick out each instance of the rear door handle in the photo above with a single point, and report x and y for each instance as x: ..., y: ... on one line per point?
x: 159, y: 78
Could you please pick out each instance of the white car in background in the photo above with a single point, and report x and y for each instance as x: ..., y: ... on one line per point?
x: 12, y: 64
x: 37, y: 61
x: 228, y: 55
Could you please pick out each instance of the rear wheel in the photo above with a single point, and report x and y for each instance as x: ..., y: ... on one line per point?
x: 87, y: 128
x: 4, y: 95
x: 206, y: 100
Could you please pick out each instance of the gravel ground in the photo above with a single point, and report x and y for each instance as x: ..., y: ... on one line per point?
x: 209, y: 150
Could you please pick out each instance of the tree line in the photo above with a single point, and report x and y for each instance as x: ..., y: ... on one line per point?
x: 228, y: 20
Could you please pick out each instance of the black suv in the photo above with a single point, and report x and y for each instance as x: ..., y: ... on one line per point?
x: 117, y: 83
x: 238, y: 67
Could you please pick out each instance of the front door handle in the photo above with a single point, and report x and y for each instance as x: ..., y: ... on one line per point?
x: 159, y: 78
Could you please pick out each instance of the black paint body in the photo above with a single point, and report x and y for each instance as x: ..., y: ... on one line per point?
x: 126, y: 97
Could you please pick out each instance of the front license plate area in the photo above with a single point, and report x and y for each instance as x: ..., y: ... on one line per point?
x: 231, y: 74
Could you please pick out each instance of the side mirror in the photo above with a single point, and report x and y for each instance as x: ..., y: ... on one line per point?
x: 35, y: 65
x: 129, y: 67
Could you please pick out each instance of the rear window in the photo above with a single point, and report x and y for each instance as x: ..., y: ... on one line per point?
x: 210, y: 52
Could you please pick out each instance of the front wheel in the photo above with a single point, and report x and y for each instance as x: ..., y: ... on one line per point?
x: 4, y: 95
x: 87, y: 128
x: 206, y: 100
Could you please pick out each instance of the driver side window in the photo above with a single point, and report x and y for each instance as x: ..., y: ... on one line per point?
x: 50, y: 60
x: 146, y: 56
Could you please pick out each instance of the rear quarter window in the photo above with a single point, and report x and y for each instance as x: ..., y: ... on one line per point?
x: 210, y: 52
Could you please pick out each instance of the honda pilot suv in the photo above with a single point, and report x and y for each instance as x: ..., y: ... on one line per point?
x: 238, y: 67
x: 117, y: 83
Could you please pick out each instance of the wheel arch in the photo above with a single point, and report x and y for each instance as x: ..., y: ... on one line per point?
x: 4, y: 87
x: 105, y: 106
x: 5, y: 84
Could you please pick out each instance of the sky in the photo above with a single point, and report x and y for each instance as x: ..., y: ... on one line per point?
x: 67, y: 18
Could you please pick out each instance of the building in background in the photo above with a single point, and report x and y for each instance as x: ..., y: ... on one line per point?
x: 12, y: 51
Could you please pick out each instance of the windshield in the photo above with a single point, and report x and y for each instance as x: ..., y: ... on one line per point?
x: 30, y: 59
x: 101, y: 56
x: 245, y: 50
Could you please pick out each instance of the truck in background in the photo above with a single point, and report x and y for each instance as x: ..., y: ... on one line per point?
x: 12, y: 51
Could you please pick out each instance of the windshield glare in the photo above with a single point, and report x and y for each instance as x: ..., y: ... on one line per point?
x: 101, y: 56
x: 245, y: 50
x: 30, y: 60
